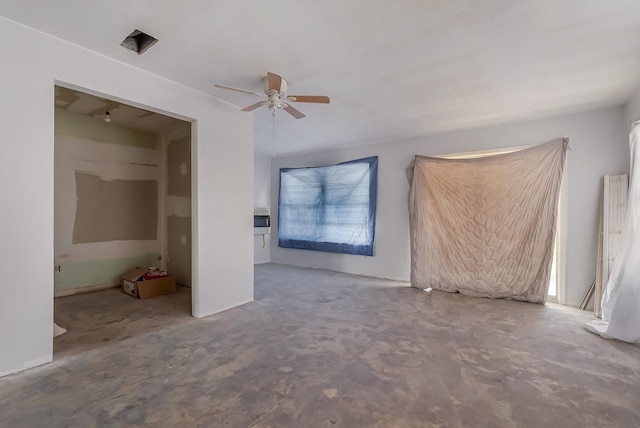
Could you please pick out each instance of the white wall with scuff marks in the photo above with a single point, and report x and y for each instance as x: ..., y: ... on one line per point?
x: 598, y: 147
x: 223, y: 171
x: 262, y: 198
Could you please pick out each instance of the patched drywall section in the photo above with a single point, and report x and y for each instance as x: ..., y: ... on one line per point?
x: 115, y: 210
x: 81, y: 276
x: 179, y: 167
x: 178, y: 206
x: 106, y: 201
x: 179, y: 248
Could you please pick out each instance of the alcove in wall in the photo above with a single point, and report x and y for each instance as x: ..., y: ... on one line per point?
x: 122, y: 199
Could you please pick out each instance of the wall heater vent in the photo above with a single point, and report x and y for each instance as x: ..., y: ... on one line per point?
x: 261, y: 221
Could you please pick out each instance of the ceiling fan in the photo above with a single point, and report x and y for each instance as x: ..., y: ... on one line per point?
x: 275, y: 88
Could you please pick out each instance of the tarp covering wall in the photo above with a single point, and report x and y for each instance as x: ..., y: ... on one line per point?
x: 485, y: 226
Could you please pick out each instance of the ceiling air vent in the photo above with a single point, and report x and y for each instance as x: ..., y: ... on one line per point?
x: 138, y: 42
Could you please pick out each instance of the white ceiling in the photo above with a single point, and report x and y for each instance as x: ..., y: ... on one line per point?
x: 395, y: 70
x: 121, y: 114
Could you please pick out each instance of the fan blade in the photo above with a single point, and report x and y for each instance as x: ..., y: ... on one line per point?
x: 308, y: 99
x: 274, y: 81
x: 244, y: 91
x: 254, y: 106
x: 293, y: 112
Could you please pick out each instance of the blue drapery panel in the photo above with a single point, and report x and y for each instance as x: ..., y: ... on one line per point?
x: 329, y: 208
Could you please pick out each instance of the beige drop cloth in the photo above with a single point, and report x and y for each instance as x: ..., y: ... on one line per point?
x: 486, y: 226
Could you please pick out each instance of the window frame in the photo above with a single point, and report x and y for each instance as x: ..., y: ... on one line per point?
x: 337, y: 247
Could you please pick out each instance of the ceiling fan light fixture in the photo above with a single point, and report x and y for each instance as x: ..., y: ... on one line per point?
x: 275, y: 88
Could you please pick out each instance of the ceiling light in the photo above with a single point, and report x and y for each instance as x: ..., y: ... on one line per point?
x: 138, y: 42
x: 107, y: 117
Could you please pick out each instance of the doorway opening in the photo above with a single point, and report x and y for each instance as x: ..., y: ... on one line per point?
x: 122, y: 199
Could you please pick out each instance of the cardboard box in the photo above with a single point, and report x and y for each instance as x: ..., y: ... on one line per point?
x: 133, y: 285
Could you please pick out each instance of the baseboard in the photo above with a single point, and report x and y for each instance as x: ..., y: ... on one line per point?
x: 386, y: 278
x: 223, y: 308
x: 82, y: 290
x: 29, y: 365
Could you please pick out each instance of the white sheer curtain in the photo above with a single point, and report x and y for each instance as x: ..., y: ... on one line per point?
x: 621, y: 298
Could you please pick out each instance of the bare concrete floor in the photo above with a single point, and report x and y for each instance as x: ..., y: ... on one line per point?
x: 320, y: 349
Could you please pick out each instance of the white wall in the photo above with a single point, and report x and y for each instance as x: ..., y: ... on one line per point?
x: 632, y: 109
x: 598, y: 147
x: 223, y: 172
x: 262, y: 198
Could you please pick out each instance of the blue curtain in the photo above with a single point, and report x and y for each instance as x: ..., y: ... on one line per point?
x: 329, y: 208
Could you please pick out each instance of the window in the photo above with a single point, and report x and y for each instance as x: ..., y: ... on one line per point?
x: 329, y: 208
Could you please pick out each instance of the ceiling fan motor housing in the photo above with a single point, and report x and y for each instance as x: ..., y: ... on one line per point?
x: 275, y: 88
x: 283, y: 86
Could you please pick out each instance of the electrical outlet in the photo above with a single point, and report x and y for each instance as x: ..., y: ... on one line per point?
x: 57, y: 268
x: 159, y: 257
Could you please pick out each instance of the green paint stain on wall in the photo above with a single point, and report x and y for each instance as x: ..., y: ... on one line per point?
x: 96, y: 129
x: 99, y: 272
